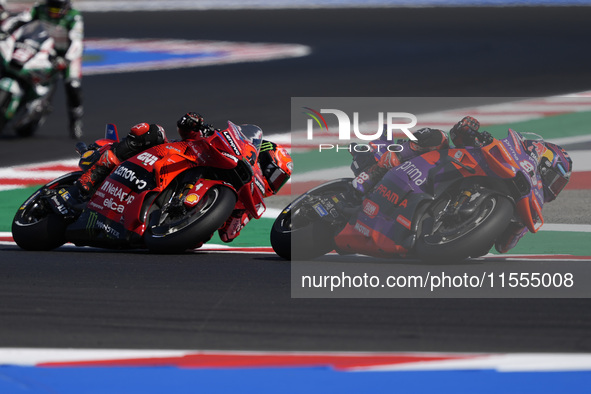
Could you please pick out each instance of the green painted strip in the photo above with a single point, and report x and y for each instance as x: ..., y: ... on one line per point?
x: 566, y: 125
x: 256, y: 233
x: 558, y: 126
x: 553, y: 242
x: 314, y: 160
x: 10, y: 201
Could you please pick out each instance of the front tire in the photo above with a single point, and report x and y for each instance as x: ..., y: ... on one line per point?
x: 447, y: 239
x: 174, y: 229
x: 311, y: 238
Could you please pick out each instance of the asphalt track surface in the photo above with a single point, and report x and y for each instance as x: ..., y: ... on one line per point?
x: 97, y: 299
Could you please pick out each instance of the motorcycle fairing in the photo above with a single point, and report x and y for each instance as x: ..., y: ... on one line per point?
x: 529, y: 204
x: 116, y: 213
x: 237, y: 149
x: 199, y: 190
x: 387, y: 221
x: 112, y: 216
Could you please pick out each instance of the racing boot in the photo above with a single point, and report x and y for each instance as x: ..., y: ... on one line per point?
x: 75, y: 115
x: 235, y: 223
x: 94, y: 176
x: 509, y: 238
x: 76, y: 110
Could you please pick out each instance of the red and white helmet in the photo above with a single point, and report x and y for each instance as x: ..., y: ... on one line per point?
x: 144, y: 135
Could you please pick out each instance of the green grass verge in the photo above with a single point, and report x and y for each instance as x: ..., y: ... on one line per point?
x: 256, y: 233
x: 567, y: 125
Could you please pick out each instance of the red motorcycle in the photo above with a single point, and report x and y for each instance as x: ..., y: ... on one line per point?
x: 169, y: 198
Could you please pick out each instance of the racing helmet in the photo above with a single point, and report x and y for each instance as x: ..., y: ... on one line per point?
x: 58, y: 8
x: 276, y: 165
x: 555, y: 167
x: 144, y: 135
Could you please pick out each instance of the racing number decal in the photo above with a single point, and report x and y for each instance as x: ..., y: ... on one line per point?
x: 527, y: 166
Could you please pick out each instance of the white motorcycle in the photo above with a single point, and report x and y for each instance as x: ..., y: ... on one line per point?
x: 27, y: 78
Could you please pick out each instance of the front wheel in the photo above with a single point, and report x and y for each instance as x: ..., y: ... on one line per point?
x: 173, y: 228
x: 446, y: 237
x: 300, y: 232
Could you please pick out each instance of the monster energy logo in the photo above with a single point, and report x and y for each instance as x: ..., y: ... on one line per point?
x: 267, y: 145
x: 91, y: 223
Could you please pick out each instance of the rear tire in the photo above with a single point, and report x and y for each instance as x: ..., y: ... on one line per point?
x: 36, y: 226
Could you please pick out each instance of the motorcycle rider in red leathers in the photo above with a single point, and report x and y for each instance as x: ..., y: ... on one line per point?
x: 554, y: 165
x: 274, y: 161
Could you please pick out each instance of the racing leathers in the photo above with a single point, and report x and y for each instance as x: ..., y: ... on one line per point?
x: 141, y: 137
x: 67, y: 30
x: 369, y: 170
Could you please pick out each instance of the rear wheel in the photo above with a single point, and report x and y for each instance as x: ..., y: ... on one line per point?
x: 173, y: 228
x: 36, y: 226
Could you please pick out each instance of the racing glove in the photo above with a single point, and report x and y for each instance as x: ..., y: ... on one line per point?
x: 361, y: 160
x: 465, y: 132
x: 192, y: 122
x: 59, y: 63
